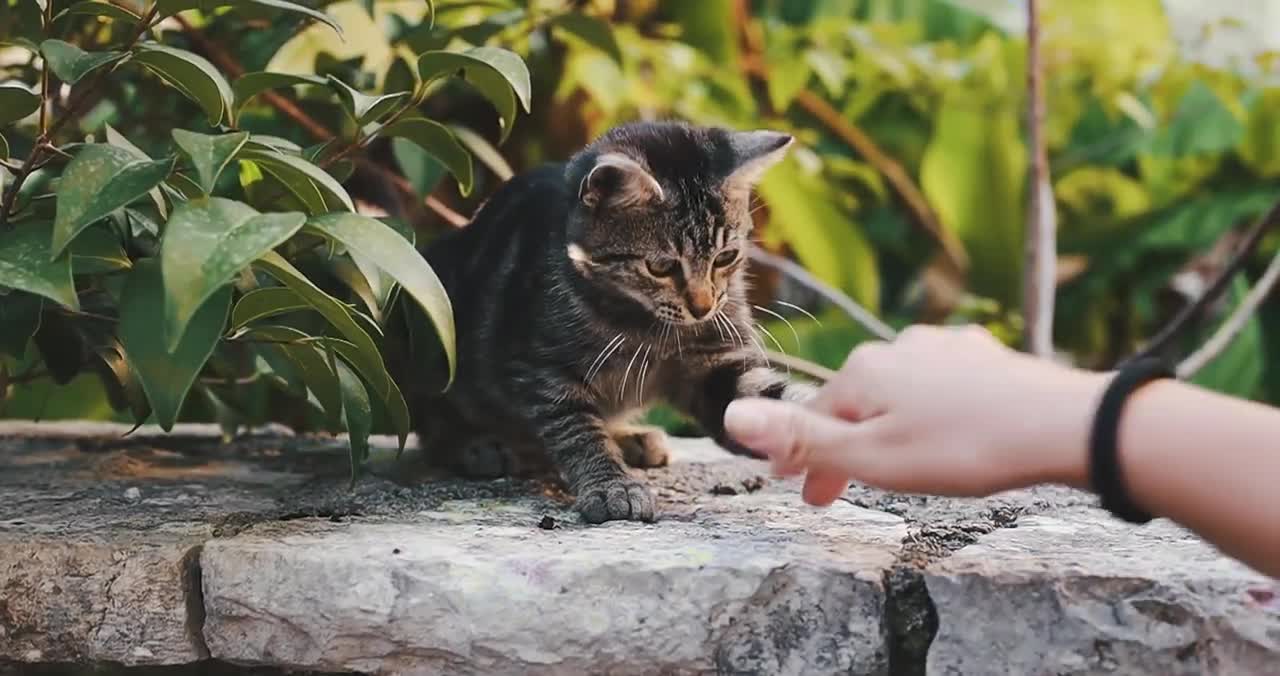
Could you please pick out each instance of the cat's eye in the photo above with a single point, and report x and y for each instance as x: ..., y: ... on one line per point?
x: 725, y: 258
x: 662, y: 267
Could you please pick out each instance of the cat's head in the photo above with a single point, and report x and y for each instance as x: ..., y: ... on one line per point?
x: 663, y: 214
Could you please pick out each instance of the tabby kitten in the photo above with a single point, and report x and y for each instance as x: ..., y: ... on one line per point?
x: 584, y: 292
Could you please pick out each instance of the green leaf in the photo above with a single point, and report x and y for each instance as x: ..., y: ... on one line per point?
x: 190, y: 74
x: 358, y: 348
x: 209, y: 154
x: 100, y: 9
x: 250, y: 85
x: 1259, y: 147
x: 100, y: 179
x: 70, y: 63
x: 98, y: 251
x: 25, y: 264
x: 436, y: 139
x: 168, y: 7
x: 973, y: 173
x: 124, y: 388
x: 313, y: 186
x: 16, y: 102
x: 166, y: 375
x: 306, y: 354
x: 823, y: 234
x: 592, y: 31
x: 357, y: 416
x: 364, y: 108
x: 708, y: 26
x: 117, y: 139
x: 268, y: 301
x: 206, y: 243
x: 501, y: 76
x: 484, y: 151
x: 423, y: 171
x: 382, y: 246
x: 19, y: 320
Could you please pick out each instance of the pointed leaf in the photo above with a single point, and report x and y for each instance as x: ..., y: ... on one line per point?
x: 307, y: 357
x: 250, y: 85
x: 497, y: 73
x: 117, y: 139
x: 95, y: 8
x: 100, y: 179
x: 127, y: 387
x: 484, y: 151
x: 166, y: 376
x: 16, y: 103
x: 168, y: 7
x: 190, y: 74
x: 268, y: 301
x: 25, y: 264
x: 592, y: 31
x: 381, y: 245
x: 98, y: 251
x: 362, y: 107
x: 209, y: 154
x: 315, y: 188
x: 70, y: 63
x: 357, y: 416
x: 437, y: 140
x: 206, y: 243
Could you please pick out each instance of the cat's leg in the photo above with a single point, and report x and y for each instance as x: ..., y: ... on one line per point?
x: 737, y: 378
x: 643, y: 446
x: 590, y: 460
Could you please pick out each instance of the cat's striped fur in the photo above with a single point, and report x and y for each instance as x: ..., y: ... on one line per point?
x: 585, y: 291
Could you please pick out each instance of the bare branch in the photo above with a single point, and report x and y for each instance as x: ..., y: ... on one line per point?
x: 802, y: 366
x: 1182, y: 321
x: 856, y: 312
x: 1040, y: 275
x: 1234, y: 324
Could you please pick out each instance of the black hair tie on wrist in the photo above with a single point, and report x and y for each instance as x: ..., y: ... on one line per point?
x: 1104, y: 465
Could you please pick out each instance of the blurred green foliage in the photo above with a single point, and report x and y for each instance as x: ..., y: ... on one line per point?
x: 1154, y: 157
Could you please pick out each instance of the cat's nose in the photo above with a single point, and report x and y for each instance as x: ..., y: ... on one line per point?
x: 701, y: 302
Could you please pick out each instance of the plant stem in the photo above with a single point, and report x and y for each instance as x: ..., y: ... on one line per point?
x: 1040, y: 275
x: 1234, y: 324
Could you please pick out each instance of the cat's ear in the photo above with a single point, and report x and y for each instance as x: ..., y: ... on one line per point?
x: 754, y: 152
x: 618, y: 181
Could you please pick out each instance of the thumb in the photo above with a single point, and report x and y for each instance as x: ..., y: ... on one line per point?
x: 792, y: 436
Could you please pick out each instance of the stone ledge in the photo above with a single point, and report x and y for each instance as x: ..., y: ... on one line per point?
x: 181, y: 550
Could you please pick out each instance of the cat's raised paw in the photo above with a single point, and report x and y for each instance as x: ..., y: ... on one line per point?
x: 643, y: 447
x: 616, y: 500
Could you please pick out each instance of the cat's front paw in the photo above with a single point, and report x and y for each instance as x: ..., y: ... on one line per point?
x: 616, y: 500
x: 643, y: 447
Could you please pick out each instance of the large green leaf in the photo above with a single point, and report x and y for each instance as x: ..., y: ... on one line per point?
x: 118, y: 140
x: 16, y: 102
x: 166, y: 375
x: 250, y: 85
x: 437, y: 140
x: 206, y: 243
x: 267, y: 301
x: 592, y: 31
x: 314, y: 187
x: 70, y: 63
x: 100, y: 179
x: 209, y: 154
x: 362, y: 107
x: 19, y: 320
x: 25, y: 264
x: 497, y: 73
x: 973, y: 173
x: 307, y: 355
x: 823, y: 235
x: 168, y: 7
x: 357, y: 416
x: 190, y: 74
x: 384, y: 247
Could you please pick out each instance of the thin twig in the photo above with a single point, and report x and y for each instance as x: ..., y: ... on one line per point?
x: 1234, y: 324
x: 1183, y: 320
x: 817, y: 372
x: 1040, y: 275
x: 856, y: 312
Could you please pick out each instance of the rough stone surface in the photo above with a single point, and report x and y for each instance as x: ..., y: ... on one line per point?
x: 256, y: 557
x: 1087, y: 595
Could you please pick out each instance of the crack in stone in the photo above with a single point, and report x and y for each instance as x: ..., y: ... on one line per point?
x: 193, y: 591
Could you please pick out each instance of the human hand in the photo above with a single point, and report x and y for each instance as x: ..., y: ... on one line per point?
x: 946, y: 411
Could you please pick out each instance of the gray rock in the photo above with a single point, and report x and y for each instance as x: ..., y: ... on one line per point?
x: 1091, y: 595
x: 749, y: 584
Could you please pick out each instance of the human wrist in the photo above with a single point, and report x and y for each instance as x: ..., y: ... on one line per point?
x: 1054, y: 430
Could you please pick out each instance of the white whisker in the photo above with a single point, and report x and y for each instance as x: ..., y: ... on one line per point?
x: 600, y: 357
x: 799, y: 309
x: 775, y: 342
x: 622, y: 389
x: 794, y: 334
x: 644, y: 370
x: 596, y: 371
